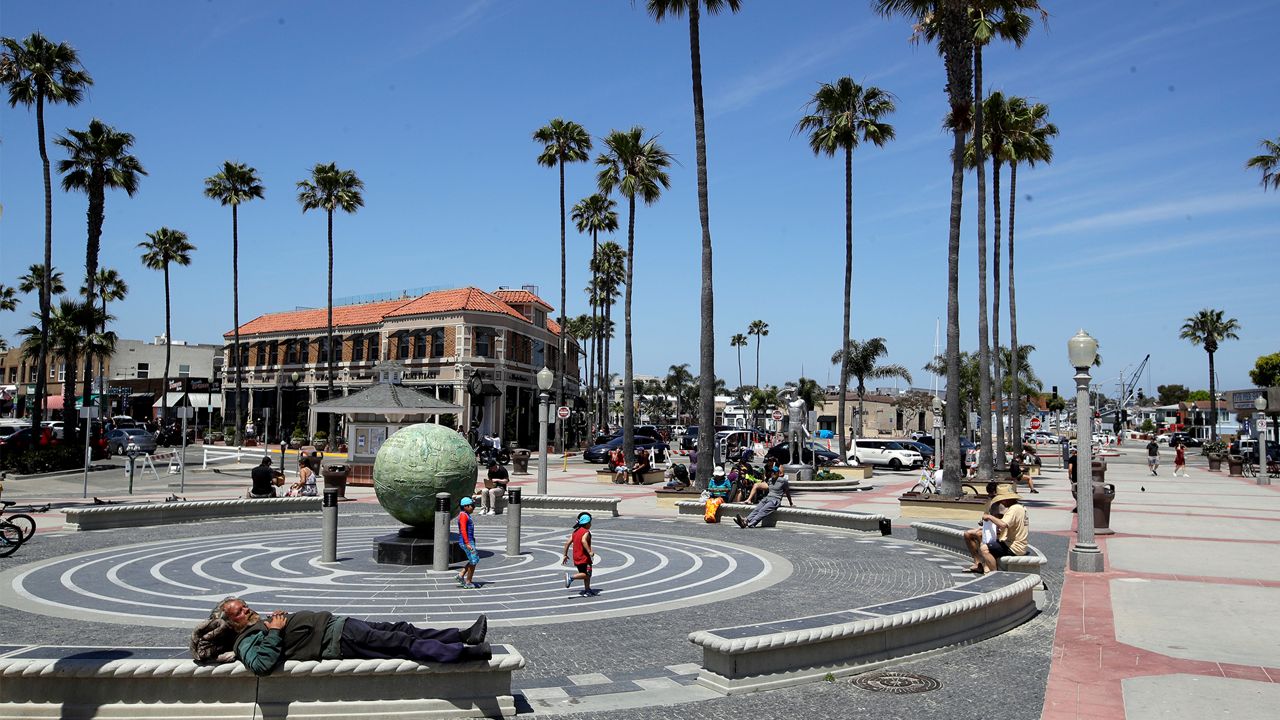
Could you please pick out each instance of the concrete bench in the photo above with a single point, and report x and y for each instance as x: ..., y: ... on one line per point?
x: 100, y: 517
x: 951, y: 537
x: 652, y: 477
x: 785, y: 652
x: 70, y: 683
x: 843, y: 519
x: 560, y: 502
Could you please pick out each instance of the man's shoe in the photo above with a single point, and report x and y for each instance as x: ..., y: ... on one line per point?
x: 738, y: 519
x: 479, y: 651
x: 475, y: 634
x: 568, y: 579
x: 461, y: 581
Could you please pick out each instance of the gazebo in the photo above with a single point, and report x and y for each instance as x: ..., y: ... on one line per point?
x: 377, y: 412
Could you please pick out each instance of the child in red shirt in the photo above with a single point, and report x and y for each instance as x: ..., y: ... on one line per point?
x: 583, y: 556
x: 467, y: 539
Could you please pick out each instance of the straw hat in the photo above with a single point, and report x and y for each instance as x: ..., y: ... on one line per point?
x: 1001, y: 497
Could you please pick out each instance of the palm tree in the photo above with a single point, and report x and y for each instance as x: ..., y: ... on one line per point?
x: 165, y: 247
x: 635, y: 167
x: 234, y: 184
x: 659, y: 9
x: 1209, y: 329
x: 331, y: 189
x: 73, y: 333
x: 1268, y: 162
x: 37, y: 71
x: 759, y: 328
x: 563, y: 141
x: 843, y: 114
x: 810, y: 392
x: 98, y: 159
x: 108, y: 287
x: 1027, y: 386
x: 34, y: 280
x: 594, y: 214
x: 610, y: 271
x: 739, y: 341
x: 1029, y: 135
x: 8, y: 298
x: 677, y: 384
x: 860, y: 361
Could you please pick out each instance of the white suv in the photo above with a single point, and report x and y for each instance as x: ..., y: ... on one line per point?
x: 885, y: 452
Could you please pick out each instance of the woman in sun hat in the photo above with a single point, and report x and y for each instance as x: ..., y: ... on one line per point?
x: 583, y: 555
x: 1011, y: 533
x: 717, y: 493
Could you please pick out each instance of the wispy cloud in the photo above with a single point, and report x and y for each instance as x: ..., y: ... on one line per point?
x: 441, y: 30
x: 1157, y: 212
x: 1162, y: 246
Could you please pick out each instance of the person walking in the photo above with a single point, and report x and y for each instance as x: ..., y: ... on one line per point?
x: 1153, y: 456
x: 1180, y: 461
x: 583, y: 555
x: 467, y: 541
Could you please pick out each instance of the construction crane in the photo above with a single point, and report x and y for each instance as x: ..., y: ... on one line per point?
x: 1127, y: 390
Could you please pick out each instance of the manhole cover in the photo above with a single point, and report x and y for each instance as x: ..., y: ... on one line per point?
x: 899, y: 683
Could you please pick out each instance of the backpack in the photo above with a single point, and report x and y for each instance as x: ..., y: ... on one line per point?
x: 681, y: 473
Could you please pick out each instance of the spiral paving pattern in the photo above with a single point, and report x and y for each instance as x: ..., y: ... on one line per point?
x: 176, y: 582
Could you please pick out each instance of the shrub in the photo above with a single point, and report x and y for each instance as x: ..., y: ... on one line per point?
x: 1215, y: 447
x: 321, y: 435
x: 299, y: 434
x: 49, y: 459
x: 827, y: 475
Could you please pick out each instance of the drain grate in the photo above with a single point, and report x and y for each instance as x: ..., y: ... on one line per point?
x: 898, y: 683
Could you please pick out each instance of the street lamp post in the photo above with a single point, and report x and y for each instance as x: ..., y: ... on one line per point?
x: 937, y: 432
x: 545, y: 380
x: 1260, y: 403
x: 1085, y: 556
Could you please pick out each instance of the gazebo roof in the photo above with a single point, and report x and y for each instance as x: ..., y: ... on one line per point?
x: 388, y: 399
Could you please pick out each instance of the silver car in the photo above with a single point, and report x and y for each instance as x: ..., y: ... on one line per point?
x: 119, y: 440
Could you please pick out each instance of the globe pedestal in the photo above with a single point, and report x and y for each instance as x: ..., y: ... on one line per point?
x: 412, y: 546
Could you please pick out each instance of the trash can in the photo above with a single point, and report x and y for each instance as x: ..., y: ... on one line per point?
x: 1235, y: 465
x: 1103, y: 495
x: 335, y: 476
x: 520, y: 461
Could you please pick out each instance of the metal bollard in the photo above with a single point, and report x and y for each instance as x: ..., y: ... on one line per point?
x: 440, y: 554
x: 329, y: 506
x: 513, y: 521
x: 886, y: 528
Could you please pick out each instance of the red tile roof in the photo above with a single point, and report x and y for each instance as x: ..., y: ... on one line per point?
x: 521, y: 296
x: 553, y: 326
x: 468, y: 298
x: 315, y: 319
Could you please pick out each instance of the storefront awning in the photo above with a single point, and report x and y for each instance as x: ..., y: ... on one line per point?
x: 172, y: 399
x: 55, y: 402
x: 205, y: 400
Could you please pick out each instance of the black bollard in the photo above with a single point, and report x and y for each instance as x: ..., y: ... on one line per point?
x: 329, y: 506
x: 440, y: 555
x: 513, y: 521
x: 885, y: 527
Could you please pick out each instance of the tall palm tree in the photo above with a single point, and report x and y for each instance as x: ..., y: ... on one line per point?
x: 594, y: 214
x: 329, y: 189
x: 234, y: 184
x: 34, y: 280
x: 611, y: 274
x: 1268, y: 163
x: 760, y: 329
x: 660, y: 9
x: 843, y: 114
x: 677, y: 383
x: 1029, y: 141
x: 98, y: 159
x: 860, y: 360
x: 36, y: 72
x: 73, y: 333
x: 739, y: 341
x: 563, y: 141
x: 1027, y: 386
x: 1208, y: 328
x: 810, y: 392
x: 108, y: 287
x: 636, y: 167
x: 950, y: 20
x: 163, y: 248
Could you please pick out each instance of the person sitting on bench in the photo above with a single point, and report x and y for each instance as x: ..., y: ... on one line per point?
x: 1009, y: 528
x: 677, y: 477
x: 779, y: 488
x: 642, y: 466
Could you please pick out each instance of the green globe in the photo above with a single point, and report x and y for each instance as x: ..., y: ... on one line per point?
x: 416, y: 463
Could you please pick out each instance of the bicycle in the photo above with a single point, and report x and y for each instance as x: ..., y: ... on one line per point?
x: 927, y: 485
x: 14, y: 530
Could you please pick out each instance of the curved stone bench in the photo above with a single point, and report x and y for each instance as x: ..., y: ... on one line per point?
x: 100, y: 517
x: 747, y: 658
x: 574, y: 504
x: 843, y: 519
x: 68, y: 683
x: 950, y: 537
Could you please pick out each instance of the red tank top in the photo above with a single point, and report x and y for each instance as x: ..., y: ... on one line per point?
x: 580, y: 556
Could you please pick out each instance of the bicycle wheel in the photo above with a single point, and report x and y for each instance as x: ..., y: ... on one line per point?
x: 10, y: 538
x: 25, y: 523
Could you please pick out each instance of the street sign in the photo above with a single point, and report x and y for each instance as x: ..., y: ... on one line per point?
x: 1035, y: 423
x: 562, y: 412
x: 1262, y: 423
x: 777, y: 414
x: 184, y: 412
x: 89, y: 412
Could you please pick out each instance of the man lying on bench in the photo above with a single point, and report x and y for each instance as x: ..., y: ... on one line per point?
x: 236, y: 631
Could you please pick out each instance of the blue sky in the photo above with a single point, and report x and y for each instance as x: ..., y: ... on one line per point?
x: 1146, y: 215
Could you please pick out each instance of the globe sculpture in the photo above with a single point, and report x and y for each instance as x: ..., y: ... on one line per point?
x: 416, y: 463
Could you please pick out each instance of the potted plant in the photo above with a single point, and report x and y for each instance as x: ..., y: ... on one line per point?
x: 1216, y: 449
x: 298, y: 439
x: 320, y: 440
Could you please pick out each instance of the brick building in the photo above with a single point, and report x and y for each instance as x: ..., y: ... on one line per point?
x: 478, y: 349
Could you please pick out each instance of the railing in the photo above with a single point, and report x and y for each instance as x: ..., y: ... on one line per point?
x: 223, y: 453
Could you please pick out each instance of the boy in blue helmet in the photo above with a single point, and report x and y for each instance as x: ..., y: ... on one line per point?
x: 467, y: 540
x: 583, y: 555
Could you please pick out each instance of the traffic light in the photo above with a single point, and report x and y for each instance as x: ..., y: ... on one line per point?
x: 1055, y: 391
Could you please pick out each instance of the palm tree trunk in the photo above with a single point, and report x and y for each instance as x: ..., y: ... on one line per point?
x: 1015, y: 394
x: 862, y: 393
x: 592, y: 376
x: 104, y: 395
x: 739, y: 376
x: 97, y: 209
x: 235, y: 319
x: 168, y: 345
x: 707, y: 340
x: 70, y: 428
x: 560, y: 341
x: 608, y: 348
x: 1213, y: 401
x: 985, y: 459
x: 628, y: 392
x: 46, y: 288
x: 995, y: 312
x: 958, y: 88
x: 848, y: 291
x: 328, y: 343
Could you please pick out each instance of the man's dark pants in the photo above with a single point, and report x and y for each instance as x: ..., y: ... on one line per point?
x: 362, y: 639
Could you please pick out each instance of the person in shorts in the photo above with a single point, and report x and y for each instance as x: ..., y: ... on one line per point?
x: 467, y: 541
x: 1153, y: 456
x: 495, y: 484
x: 1010, y: 529
x: 583, y: 555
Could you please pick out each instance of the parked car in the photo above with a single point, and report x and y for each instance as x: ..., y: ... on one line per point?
x: 650, y: 431
x: 124, y: 421
x: 1184, y: 438
x: 926, y: 452
x: 888, y: 453
x: 600, y: 453
x: 1249, y: 450
x: 782, y: 454
x: 15, y: 440
x: 119, y: 440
